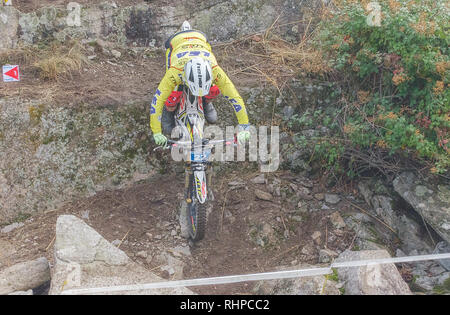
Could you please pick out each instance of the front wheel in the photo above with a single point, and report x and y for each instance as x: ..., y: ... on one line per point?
x: 196, y: 211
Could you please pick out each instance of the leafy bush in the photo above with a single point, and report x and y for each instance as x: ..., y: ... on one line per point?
x: 393, y: 78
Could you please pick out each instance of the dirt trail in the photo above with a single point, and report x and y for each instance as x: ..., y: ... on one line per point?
x: 143, y: 219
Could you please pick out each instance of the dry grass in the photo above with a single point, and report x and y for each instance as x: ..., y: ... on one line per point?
x: 52, y: 62
x: 60, y: 62
x: 272, y: 59
x: 268, y: 57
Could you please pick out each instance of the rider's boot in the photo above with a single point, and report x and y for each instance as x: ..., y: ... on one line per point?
x: 210, y: 113
x: 167, y: 121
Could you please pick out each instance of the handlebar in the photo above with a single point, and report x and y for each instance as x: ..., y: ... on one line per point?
x: 206, y: 142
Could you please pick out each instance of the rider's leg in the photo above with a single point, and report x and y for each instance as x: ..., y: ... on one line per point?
x: 170, y: 107
x: 167, y: 121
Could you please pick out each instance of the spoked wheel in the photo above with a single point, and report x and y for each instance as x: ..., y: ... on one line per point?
x: 196, y: 218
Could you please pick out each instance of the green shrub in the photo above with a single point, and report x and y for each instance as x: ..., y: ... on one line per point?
x: 393, y: 78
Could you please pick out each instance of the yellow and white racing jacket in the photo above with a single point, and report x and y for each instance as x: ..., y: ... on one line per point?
x: 184, y: 46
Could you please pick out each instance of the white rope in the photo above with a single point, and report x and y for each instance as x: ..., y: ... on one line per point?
x: 256, y: 276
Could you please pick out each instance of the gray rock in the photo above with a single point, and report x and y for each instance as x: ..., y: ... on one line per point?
x: 11, y: 227
x: 116, y: 54
x: 308, y: 250
x: 337, y: 220
x: 263, y: 234
x: 319, y: 196
x: 377, y: 195
x: 174, y: 267
x: 443, y: 248
x: 95, y: 262
x: 425, y: 282
x: 263, y: 195
x: 296, y: 160
x: 436, y: 270
x: 316, y: 237
x: 181, y: 251
x: 327, y: 255
x: 142, y: 254
x: 371, y: 280
x: 317, y: 285
x: 332, y: 198
x: 303, y: 192
x: 443, y: 278
x: 260, y: 179
x: 430, y: 201
x: 366, y: 190
x: 306, y: 182
x: 76, y: 241
x: 9, y: 22
x: 24, y: 276
x: 236, y: 183
x: 302, y: 207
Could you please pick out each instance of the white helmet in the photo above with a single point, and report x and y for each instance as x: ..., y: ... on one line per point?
x: 198, y: 76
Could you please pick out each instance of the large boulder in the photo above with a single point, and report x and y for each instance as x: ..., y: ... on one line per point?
x: 67, y: 152
x: 379, y: 279
x: 84, y: 259
x: 387, y: 207
x: 432, y: 202
x: 316, y: 285
x: 24, y: 276
x: 150, y: 23
x: 9, y: 21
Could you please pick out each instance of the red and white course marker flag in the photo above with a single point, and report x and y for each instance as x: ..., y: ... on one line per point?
x: 11, y: 73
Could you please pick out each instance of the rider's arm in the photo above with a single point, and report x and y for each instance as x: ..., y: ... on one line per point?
x: 231, y: 94
x: 166, y: 86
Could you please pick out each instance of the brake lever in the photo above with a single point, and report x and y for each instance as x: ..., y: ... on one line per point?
x: 161, y: 147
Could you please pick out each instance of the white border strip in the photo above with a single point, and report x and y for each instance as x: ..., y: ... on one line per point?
x: 256, y: 276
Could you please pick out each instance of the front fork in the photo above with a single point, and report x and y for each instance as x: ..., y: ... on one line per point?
x: 189, y: 180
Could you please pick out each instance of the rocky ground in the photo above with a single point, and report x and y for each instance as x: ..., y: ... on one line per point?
x: 251, y: 228
x: 33, y: 5
x: 257, y: 222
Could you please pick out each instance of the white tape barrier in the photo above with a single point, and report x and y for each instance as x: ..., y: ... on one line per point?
x: 256, y: 276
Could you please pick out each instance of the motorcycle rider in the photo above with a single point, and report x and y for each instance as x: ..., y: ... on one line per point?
x: 190, y: 62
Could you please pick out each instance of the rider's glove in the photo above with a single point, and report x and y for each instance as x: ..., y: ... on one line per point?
x: 160, y: 139
x: 244, y: 134
x: 243, y: 137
